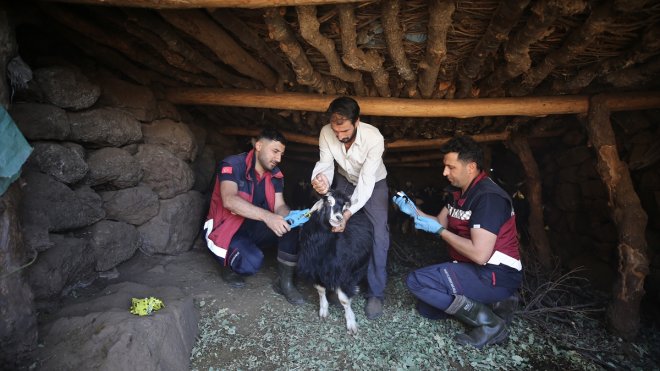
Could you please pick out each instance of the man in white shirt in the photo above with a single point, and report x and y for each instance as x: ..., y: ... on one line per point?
x: 357, y: 148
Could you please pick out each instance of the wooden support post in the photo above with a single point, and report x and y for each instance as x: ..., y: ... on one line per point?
x: 629, y: 217
x: 538, y: 238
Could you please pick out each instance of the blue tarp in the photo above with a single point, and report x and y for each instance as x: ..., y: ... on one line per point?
x: 14, y: 150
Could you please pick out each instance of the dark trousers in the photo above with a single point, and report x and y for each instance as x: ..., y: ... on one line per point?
x: 376, y: 209
x: 436, y: 285
x: 245, y: 255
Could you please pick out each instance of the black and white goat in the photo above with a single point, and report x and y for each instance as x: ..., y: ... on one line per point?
x: 335, y: 261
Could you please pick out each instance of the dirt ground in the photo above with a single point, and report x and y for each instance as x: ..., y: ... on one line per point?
x: 255, y: 328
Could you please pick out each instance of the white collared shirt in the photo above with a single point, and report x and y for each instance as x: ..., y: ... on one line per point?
x: 362, y: 164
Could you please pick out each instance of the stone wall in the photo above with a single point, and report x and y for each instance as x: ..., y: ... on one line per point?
x: 113, y: 171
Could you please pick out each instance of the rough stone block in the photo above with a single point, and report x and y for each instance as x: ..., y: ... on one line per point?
x: 67, y: 87
x: 174, y: 229
x: 101, y: 334
x: 165, y: 173
x: 131, y: 205
x: 104, y: 127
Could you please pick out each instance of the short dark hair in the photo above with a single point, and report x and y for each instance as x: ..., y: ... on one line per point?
x: 272, y: 134
x: 468, y: 150
x: 346, y: 107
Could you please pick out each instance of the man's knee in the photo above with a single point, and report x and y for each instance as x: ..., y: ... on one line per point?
x: 247, y: 261
x: 413, y: 282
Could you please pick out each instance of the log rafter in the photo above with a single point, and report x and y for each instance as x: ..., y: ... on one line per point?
x: 644, y: 49
x: 516, y: 52
x: 400, y: 107
x: 175, y: 43
x: 575, y: 44
x: 394, y: 37
x: 636, y: 75
x: 188, y: 4
x: 440, y: 13
x: 118, y: 41
x: 397, y: 144
x: 355, y: 58
x: 198, y: 25
x: 279, y: 31
x: 309, y: 29
x: 132, y: 27
x: 249, y: 37
x: 506, y: 16
x: 114, y: 59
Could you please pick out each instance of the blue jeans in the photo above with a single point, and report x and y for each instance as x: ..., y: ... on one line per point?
x: 244, y: 254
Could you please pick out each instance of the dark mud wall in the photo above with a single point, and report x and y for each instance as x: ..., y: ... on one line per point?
x: 576, y: 204
x: 18, y: 324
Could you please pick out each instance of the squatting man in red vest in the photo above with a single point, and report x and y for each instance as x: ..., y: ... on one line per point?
x: 248, y: 213
x: 478, y: 224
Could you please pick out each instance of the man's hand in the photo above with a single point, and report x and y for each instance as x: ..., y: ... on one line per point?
x: 277, y: 224
x: 320, y: 184
x: 297, y: 217
x: 427, y: 224
x: 347, y: 215
x: 405, y: 204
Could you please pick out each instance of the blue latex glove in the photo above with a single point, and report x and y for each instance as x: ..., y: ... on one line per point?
x: 430, y: 225
x: 405, y: 204
x: 297, y: 218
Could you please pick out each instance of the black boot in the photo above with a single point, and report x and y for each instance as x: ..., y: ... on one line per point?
x: 488, y: 328
x: 284, y: 284
x: 232, y: 278
x: 507, y: 307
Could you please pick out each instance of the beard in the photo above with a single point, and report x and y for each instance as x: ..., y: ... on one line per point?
x: 349, y: 139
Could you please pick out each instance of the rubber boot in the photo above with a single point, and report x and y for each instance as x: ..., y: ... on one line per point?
x: 232, y: 278
x: 506, y: 308
x: 488, y: 328
x: 285, y: 286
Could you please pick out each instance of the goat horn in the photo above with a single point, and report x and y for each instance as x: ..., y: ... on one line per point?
x: 316, y: 206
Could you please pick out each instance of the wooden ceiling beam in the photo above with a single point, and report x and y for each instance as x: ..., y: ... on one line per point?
x: 189, y: 4
x: 400, y: 144
x: 400, y: 107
